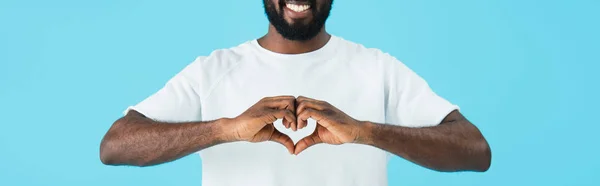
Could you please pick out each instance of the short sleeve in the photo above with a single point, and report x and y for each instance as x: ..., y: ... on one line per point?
x: 410, y: 100
x: 177, y: 101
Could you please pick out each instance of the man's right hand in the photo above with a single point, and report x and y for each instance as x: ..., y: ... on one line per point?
x: 256, y: 123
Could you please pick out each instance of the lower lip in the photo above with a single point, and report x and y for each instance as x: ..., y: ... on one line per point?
x: 297, y: 15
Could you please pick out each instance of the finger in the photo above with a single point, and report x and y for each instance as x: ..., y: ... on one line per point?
x: 288, y: 104
x: 286, y: 123
x: 280, y: 102
x: 302, y: 123
x: 309, y: 104
x: 283, y: 139
x: 314, y: 114
x: 277, y: 98
x: 320, y: 102
x: 302, y: 98
x: 292, y: 123
x: 308, y: 141
x: 283, y: 103
x: 286, y: 115
x: 303, y: 106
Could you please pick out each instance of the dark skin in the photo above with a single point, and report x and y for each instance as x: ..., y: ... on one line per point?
x: 277, y: 43
x: 453, y: 145
x: 137, y: 140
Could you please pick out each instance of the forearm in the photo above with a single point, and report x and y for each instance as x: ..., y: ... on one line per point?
x: 140, y: 141
x: 448, y: 147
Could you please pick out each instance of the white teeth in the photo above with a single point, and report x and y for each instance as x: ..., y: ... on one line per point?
x: 298, y: 8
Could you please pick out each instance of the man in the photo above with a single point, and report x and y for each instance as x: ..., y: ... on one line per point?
x: 227, y: 106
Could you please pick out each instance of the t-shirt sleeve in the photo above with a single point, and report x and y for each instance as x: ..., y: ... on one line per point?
x: 177, y: 101
x: 410, y: 100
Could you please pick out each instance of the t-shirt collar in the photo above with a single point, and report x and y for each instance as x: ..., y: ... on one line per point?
x: 324, y: 52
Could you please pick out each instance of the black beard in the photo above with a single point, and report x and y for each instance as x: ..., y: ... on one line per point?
x: 298, y: 31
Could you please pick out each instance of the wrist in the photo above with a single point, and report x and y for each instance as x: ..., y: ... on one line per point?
x: 365, y: 132
x: 226, y: 131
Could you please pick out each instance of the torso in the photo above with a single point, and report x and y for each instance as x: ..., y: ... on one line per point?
x: 351, y: 82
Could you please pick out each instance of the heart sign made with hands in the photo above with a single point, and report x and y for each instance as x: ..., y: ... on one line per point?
x: 296, y: 131
x: 299, y: 133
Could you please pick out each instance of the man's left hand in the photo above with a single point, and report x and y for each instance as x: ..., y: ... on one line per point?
x: 333, y: 126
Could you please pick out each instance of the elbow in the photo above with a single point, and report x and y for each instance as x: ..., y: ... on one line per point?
x: 111, y: 148
x: 114, y: 149
x: 108, y: 152
x: 484, y: 157
x: 109, y: 145
x: 106, y: 160
x: 112, y: 153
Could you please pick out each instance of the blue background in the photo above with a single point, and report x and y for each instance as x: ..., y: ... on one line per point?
x: 524, y: 71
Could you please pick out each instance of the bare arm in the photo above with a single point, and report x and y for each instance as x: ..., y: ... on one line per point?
x: 453, y: 145
x: 137, y: 140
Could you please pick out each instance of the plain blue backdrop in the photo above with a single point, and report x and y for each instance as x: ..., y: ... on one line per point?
x: 524, y: 71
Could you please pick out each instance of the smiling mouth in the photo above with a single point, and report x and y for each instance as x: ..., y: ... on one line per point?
x: 297, y: 7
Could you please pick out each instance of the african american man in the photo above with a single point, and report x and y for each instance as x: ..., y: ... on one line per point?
x: 248, y: 111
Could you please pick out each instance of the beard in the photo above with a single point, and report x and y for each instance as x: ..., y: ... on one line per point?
x: 298, y: 31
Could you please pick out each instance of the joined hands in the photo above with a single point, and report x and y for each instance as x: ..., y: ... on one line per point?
x: 333, y: 126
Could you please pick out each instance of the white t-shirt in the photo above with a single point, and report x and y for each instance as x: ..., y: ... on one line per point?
x: 365, y: 83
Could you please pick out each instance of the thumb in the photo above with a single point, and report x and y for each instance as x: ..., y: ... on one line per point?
x: 283, y: 139
x: 308, y: 141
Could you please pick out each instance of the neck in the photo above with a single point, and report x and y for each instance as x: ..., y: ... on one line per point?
x: 273, y: 41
